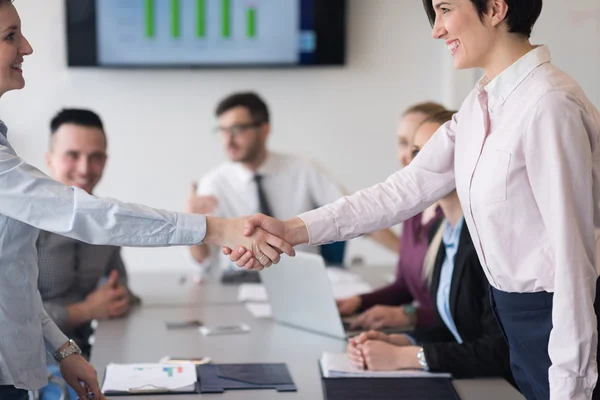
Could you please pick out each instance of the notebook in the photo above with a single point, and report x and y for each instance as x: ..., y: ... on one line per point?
x: 337, y: 365
x: 128, y: 379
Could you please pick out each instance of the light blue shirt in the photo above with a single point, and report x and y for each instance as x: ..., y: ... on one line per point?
x: 29, y: 201
x: 450, y: 238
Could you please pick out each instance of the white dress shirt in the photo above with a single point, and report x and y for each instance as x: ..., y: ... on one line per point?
x: 291, y: 184
x: 32, y: 201
x: 523, y: 154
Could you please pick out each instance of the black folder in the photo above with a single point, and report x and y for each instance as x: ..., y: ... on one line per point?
x: 216, y: 378
x: 389, y: 389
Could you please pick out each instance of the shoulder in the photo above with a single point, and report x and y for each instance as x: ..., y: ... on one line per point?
x: 216, y: 175
x: 554, y: 90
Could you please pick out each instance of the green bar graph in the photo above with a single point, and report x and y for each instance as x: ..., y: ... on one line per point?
x: 201, y: 18
x: 149, y: 18
x: 226, y: 18
x: 175, y: 19
x: 251, y: 22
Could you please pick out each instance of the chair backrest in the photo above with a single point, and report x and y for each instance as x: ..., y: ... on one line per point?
x: 333, y: 253
x: 57, y: 389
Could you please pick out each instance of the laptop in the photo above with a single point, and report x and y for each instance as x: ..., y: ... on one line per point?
x: 301, y: 296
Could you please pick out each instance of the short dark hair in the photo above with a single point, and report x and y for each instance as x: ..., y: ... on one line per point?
x: 76, y: 116
x: 521, y: 17
x: 256, y: 106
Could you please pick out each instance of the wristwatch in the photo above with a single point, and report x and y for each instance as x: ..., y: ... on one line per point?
x: 71, y: 349
x: 421, y: 359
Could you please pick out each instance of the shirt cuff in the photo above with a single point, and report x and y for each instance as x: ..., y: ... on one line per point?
x: 191, y: 229
x: 570, y: 388
x: 412, y: 340
x: 321, y: 226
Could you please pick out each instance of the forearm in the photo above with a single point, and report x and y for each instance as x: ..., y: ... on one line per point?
x: 200, y: 253
x: 387, y: 239
x: 391, y: 295
x: 79, y: 314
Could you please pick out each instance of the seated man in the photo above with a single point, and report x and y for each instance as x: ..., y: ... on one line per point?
x: 79, y: 282
x: 257, y: 180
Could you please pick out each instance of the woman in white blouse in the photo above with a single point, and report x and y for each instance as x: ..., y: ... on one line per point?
x: 523, y: 155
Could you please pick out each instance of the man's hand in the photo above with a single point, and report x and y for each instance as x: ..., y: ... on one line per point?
x: 380, y: 317
x: 293, y: 231
x: 200, y: 204
x: 75, y: 369
x: 349, y: 306
x: 264, y: 246
x: 109, y: 301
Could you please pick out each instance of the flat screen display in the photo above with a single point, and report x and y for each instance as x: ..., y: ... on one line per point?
x: 206, y: 33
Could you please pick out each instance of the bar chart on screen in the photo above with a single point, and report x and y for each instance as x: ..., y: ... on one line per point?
x: 198, y: 30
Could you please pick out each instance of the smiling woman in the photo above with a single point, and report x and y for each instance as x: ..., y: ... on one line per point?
x: 523, y: 154
x: 13, y: 48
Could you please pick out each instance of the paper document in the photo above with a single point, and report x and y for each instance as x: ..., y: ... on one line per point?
x: 252, y: 292
x: 140, y: 378
x: 337, y: 365
x: 343, y: 290
x: 338, y: 275
x: 260, y: 310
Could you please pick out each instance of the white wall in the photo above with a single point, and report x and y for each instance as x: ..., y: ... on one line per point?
x: 159, y: 122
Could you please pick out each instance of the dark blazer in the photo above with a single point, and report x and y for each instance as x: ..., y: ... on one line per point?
x: 484, y: 351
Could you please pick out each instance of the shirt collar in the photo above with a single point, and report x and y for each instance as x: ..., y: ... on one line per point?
x: 501, y: 87
x: 269, y: 167
x: 451, y: 234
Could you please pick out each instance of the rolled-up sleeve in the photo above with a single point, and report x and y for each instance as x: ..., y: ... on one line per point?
x: 560, y: 141
x: 427, y: 179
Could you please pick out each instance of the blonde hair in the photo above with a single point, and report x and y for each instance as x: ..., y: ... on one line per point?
x: 440, y: 117
x: 429, y: 108
x: 432, y: 251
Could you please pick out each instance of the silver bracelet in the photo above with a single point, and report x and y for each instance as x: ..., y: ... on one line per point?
x: 421, y: 359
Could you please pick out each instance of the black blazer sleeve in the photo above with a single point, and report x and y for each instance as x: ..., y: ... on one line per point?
x: 486, y: 355
x: 484, y: 351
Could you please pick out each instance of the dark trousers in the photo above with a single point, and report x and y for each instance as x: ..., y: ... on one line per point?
x: 12, y: 393
x: 526, y: 321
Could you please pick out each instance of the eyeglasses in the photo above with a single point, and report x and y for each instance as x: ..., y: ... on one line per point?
x: 238, y: 129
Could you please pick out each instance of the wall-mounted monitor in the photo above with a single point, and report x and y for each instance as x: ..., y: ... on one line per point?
x: 206, y: 33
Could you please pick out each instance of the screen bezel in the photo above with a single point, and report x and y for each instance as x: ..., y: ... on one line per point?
x: 330, y: 17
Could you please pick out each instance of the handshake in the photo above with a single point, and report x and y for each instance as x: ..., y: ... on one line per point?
x: 257, y: 242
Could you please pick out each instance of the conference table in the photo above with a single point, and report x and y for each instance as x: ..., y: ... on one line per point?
x: 143, y: 337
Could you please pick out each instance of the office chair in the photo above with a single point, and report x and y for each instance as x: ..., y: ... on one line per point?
x: 333, y: 254
x: 50, y: 391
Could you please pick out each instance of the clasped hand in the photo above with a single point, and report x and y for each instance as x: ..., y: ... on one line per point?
x: 264, y: 240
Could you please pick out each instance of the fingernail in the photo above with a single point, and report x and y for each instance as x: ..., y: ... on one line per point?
x: 241, y: 250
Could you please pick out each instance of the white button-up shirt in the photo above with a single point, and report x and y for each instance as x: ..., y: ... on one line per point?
x: 292, y: 185
x: 524, y: 156
x: 29, y: 201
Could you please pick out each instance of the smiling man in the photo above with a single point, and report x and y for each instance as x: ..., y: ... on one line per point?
x: 79, y: 282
